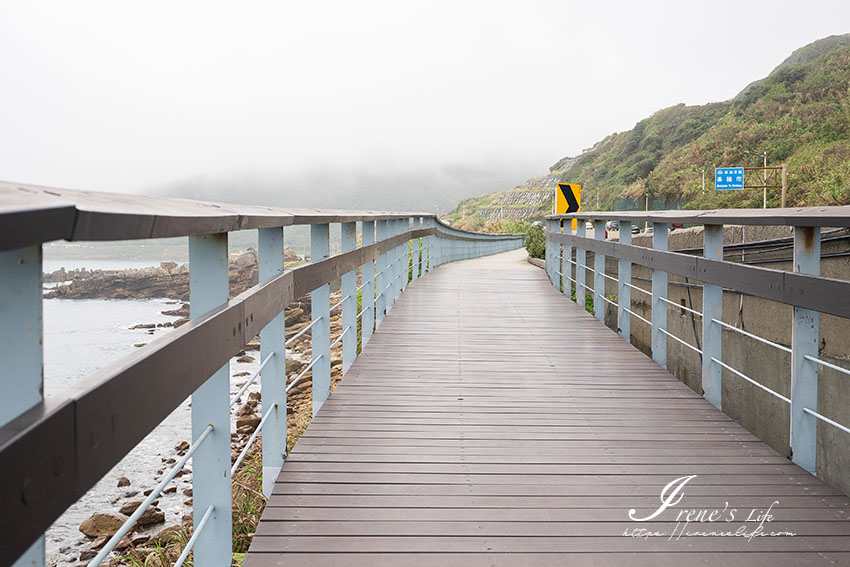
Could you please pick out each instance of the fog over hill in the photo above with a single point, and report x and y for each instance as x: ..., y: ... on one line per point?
x: 436, y: 189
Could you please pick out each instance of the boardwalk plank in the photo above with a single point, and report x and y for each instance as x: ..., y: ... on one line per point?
x: 491, y: 421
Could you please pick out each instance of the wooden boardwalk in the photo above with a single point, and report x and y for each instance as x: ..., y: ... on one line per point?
x: 492, y: 422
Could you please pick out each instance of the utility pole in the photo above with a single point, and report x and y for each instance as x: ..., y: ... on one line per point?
x: 764, y: 202
x: 703, y: 181
x: 784, y: 183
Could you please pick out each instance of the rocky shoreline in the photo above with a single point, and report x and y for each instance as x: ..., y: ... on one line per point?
x: 169, y: 280
x: 151, y: 531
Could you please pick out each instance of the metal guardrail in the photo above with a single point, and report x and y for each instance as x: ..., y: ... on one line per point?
x: 804, y: 289
x: 53, y: 451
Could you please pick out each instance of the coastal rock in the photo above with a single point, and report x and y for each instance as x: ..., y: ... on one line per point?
x: 123, y: 481
x: 245, y: 358
x: 151, y: 516
x: 245, y: 409
x: 130, y: 506
x: 168, y: 280
x: 251, y: 421
x: 100, y: 525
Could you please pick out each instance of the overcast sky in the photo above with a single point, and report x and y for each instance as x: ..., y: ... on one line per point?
x: 123, y: 95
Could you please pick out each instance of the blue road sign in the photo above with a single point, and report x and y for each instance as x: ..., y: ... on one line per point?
x: 728, y: 178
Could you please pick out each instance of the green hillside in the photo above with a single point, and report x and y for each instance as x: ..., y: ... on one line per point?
x: 799, y: 115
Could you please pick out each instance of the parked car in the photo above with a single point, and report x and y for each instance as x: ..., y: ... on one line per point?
x: 635, y: 229
x: 649, y: 230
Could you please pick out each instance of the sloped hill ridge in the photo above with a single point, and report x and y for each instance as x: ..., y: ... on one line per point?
x: 799, y: 114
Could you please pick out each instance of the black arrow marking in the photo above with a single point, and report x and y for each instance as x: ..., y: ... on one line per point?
x: 567, y: 192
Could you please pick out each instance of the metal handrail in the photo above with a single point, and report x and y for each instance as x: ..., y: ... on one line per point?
x: 680, y: 341
x: 826, y: 420
x: 197, y: 532
x: 137, y: 513
x: 751, y: 335
x: 303, y: 372
x: 251, y: 440
x: 251, y: 380
x: 290, y: 340
x: 827, y: 364
x: 679, y: 306
x: 751, y: 381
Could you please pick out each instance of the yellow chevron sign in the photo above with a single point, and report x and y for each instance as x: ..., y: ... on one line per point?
x: 568, y: 199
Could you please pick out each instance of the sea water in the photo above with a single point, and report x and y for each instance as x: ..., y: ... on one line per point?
x: 82, y: 336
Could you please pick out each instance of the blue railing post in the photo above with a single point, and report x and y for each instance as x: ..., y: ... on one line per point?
x: 624, y: 292
x: 273, y: 380
x: 21, y: 348
x: 659, y: 306
x: 581, y: 261
x: 547, y: 253
x: 599, y: 273
x: 380, y: 275
x: 566, y: 258
x: 367, y: 293
x: 712, y: 308
x: 320, y: 305
x: 349, y: 300
x: 416, y: 249
x: 209, y: 288
x: 804, y: 341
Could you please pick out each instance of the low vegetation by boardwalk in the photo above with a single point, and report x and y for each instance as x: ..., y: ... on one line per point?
x: 490, y: 421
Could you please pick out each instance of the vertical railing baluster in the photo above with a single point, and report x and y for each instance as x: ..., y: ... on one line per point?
x: 348, y: 282
x: 22, y: 352
x: 712, y: 308
x: 367, y: 292
x: 273, y: 380
x: 566, y: 265
x: 599, y: 275
x: 547, y: 252
x: 321, y: 332
x: 209, y: 288
x: 415, y: 249
x: 581, y: 261
x: 805, y: 335
x: 381, y: 274
x: 624, y: 292
x: 659, y: 307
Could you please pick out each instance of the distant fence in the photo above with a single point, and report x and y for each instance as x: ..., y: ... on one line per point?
x: 53, y: 451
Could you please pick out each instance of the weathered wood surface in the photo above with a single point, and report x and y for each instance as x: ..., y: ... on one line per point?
x: 491, y: 421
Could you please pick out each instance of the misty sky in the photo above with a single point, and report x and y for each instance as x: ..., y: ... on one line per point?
x: 123, y: 95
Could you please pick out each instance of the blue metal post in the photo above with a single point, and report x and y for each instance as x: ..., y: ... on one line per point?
x: 381, y: 275
x: 624, y: 292
x: 712, y: 308
x: 273, y: 383
x: 348, y: 283
x: 581, y: 260
x: 415, y: 250
x: 566, y: 265
x: 320, y: 305
x: 599, y: 278
x: 547, y: 253
x: 659, y: 307
x: 21, y: 349
x: 367, y: 293
x: 804, y: 341
x: 208, y: 288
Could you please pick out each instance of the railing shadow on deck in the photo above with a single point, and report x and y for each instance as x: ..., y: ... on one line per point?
x: 53, y: 451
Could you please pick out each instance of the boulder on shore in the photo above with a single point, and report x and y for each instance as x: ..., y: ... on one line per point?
x: 101, y: 525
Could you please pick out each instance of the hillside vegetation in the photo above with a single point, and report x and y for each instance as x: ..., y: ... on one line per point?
x: 799, y: 115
